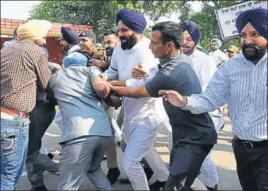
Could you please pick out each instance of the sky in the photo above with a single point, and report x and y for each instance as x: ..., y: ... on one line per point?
x: 20, y: 10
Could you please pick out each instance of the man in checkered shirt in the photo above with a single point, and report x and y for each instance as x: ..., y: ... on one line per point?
x: 24, y: 69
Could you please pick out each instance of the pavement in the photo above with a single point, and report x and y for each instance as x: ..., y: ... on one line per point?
x: 222, y: 156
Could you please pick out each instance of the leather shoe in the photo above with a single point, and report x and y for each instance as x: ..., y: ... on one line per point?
x: 113, y: 175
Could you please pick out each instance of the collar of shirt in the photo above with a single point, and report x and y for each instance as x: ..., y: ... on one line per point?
x: 165, y: 61
x: 263, y: 60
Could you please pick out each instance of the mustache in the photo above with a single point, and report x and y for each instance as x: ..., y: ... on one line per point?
x: 185, y: 46
x: 244, y: 46
x: 123, y: 38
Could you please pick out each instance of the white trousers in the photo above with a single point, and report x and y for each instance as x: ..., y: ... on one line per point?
x: 208, y: 168
x: 140, y: 138
x: 43, y: 150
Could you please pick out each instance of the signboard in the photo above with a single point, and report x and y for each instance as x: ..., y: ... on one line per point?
x: 227, y: 17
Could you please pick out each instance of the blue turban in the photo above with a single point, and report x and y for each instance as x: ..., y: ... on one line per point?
x: 133, y: 20
x: 75, y: 58
x: 70, y: 36
x: 258, y: 18
x: 192, y: 29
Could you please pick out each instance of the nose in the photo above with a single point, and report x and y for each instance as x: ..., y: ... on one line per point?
x: 120, y: 34
x: 184, y: 41
x: 248, y: 40
x: 151, y: 46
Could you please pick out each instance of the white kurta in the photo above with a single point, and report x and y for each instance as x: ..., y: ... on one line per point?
x: 205, y: 68
x: 142, y: 116
x: 122, y: 63
x: 218, y: 56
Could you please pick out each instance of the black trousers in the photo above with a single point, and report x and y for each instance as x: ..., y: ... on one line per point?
x: 41, y: 117
x: 252, y: 166
x: 185, y: 162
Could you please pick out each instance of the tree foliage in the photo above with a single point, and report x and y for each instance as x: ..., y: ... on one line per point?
x: 101, y: 14
x: 207, y: 22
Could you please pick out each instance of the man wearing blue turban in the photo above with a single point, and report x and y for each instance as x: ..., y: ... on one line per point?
x: 142, y: 121
x: 69, y: 41
x: 204, y: 67
x: 242, y: 83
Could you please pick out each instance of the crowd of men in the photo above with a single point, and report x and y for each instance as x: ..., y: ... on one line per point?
x: 165, y: 84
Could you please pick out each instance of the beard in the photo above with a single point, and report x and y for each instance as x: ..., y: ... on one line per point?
x: 109, y: 51
x: 187, y: 49
x: 256, y: 53
x: 65, y: 50
x: 128, y: 42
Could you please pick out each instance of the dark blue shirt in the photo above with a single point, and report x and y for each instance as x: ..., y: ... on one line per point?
x: 176, y: 73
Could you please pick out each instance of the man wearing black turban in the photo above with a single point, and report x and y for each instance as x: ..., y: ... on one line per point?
x: 241, y: 83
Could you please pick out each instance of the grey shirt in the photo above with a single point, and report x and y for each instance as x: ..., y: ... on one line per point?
x: 82, y: 110
x: 176, y: 73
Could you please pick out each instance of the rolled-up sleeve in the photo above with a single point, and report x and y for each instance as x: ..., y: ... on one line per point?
x: 43, y: 72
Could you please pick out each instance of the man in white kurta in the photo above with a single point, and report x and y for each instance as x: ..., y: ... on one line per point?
x: 219, y: 56
x: 142, y: 119
x: 204, y: 67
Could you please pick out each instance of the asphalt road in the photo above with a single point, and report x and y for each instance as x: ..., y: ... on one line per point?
x: 222, y: 156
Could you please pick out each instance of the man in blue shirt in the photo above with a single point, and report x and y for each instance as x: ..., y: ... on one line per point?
x: 193, y: 135
x: 86, y: 129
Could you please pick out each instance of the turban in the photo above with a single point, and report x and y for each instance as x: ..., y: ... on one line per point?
x: 257, y: 18
x: 88, y: 34
x: 133, y: 20
x: 34, y: 30
x: 70, y: 36
x: 192, y: 29
x: 75, y: 58
x: 217, y: 42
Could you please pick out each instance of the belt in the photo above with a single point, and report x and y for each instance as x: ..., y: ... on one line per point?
x: 14, y: 113
x: 251, y: 144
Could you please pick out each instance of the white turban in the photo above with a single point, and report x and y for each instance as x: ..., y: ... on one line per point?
x: 217, y: 42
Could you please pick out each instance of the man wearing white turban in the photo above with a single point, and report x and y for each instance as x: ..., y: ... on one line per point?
x: 216, y: 53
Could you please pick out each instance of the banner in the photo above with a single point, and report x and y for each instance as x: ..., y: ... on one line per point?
x: 227, y: 17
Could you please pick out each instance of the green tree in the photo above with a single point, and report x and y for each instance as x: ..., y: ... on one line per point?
x: 207, y: 22
x: 99, y: 13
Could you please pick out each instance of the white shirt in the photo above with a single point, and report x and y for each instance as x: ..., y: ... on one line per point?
x: 122, y: 63
x: 205, y: 67
x: 218, y: 56
x: 243, y: 85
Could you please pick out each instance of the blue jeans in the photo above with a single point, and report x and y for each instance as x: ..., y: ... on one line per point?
x: 14, y: 142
